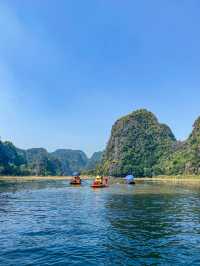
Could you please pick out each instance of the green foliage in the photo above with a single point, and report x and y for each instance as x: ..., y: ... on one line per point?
x: 137, y: 145
x: 39, y: 162
x: 186, y: 158
x: 10, y: 160
x: 142, y: 146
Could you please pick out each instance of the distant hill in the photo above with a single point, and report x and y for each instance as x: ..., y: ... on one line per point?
x: 38, y: 162
x: 94, y: 160
x: 139, y: 144
x: 12, y: 161
x: 71, y: 160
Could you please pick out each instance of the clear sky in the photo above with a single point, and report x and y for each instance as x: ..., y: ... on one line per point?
x: 69, y: 69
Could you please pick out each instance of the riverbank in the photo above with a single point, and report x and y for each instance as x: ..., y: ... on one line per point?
x: 171, y: 178
x: 32, y: 178
x: 188, y: 178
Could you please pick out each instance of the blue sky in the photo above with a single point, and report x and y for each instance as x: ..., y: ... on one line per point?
x: 69, y: 69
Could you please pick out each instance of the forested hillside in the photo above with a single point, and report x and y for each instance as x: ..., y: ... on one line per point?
x: 39, y: 162
x: 139, y: 144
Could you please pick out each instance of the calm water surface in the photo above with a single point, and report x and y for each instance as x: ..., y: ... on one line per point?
x: 51, y: 223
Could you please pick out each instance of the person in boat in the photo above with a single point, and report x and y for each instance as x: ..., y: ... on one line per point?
x: 99, y: 180
x: 105, y: 180
x: 76, y: 178
x: 130, y: 179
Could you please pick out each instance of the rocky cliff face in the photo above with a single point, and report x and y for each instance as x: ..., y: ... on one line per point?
x: 137, y: 145
x: 186, y: 158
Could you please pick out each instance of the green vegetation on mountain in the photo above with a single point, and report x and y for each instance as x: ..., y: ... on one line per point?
x: 138, y: 144
x: 12, y: 161
x: 186, y: 157
x: 39, y: 162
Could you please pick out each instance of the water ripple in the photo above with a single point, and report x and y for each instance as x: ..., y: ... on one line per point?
x: 51, y: 223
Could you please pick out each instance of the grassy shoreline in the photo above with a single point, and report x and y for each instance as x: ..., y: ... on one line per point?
x: 173, y: 177
x: 155, y: 178
x: 32, y: 178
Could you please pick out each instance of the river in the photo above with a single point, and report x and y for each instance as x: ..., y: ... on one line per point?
x: 48, y: 222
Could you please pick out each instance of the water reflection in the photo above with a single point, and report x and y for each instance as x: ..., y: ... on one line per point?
x: 52, y: 223
x: 154, y: 227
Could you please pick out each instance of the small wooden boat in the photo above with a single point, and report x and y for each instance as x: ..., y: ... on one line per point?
x: 132, y: 183
x: 130, y: 180
x: 98, y: 185
x: 100, y: 182
x: 76, y: 181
